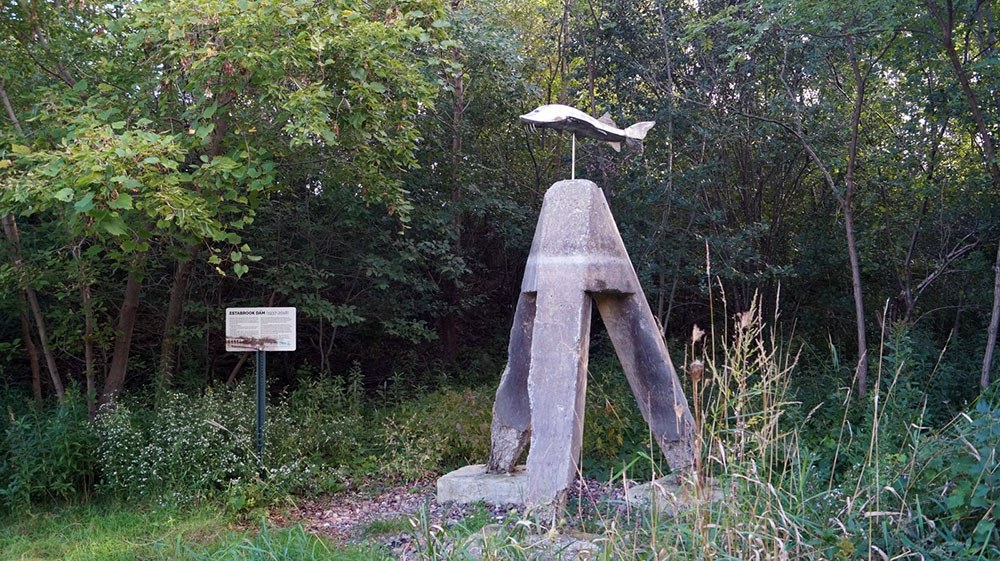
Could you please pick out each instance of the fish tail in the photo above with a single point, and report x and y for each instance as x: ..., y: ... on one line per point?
x: 638, y: 131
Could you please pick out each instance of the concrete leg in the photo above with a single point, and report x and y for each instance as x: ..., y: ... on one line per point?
x: 512, y: 410
x: 651, y: 375
x: 557, y: 385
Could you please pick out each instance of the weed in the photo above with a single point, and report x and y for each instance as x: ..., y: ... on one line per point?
x: 48, y: 455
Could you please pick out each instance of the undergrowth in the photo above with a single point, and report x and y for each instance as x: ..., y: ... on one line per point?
x: 881, y: 484
x: 104, y: 532
x: 784, y: 471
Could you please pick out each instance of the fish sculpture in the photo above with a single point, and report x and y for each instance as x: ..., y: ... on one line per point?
x: 565, y: 118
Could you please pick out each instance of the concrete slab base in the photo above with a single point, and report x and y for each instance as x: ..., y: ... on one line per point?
x: 553, y: 546
x: 673, y: 494
x: 472, y: 484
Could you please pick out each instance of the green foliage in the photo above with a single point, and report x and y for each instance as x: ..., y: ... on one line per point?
x: 361, y: 162
x: 322, y: 422
x: 182, y: 125
x: 974, y: 479
x: 614, y: 432
x: 111, y: 532
x: 957, y: 481
x: 444, y: 429
x: 915, y: 385
x: 48, y: 456
x: 277, y: 543
x: 203, y: 446
x: 188, y: 447
x: 112, y: 183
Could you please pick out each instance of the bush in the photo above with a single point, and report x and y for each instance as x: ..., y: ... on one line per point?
x: 189, y: 446
x: 444, y: 429
x: 957, y: 484
x: 48, y: 455
x: 322, y: 422
x: 200, y: 446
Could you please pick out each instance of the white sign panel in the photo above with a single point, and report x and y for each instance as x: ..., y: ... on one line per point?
x: 260, y: 329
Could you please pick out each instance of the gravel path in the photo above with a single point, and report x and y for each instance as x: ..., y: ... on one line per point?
x: 386, y: 514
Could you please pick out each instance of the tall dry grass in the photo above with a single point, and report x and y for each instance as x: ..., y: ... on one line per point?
x: 760, y: 490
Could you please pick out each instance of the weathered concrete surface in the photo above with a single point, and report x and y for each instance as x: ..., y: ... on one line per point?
x: 577, y: 253
x: 472, y: 484
x: 511, y: 409
x: 577, y: 242
x: 651, y: 375
x: 673, y: 494
x: 557, y: 387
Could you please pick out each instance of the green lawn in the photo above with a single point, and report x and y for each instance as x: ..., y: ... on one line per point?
x: 102, y: 533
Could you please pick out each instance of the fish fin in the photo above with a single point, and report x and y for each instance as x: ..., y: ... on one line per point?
x: 638, y: 131
x: 616, y: 145
x: 606, y: 119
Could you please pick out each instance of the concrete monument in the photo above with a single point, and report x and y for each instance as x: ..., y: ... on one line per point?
x: 577, y: 258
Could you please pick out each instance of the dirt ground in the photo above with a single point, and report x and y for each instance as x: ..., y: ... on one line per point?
x: 390, y: 514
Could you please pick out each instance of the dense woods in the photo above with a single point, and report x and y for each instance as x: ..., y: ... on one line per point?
x: 162, y: 162
x: 830, y: 166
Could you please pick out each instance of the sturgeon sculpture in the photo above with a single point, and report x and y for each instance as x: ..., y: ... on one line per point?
x: 565, y: 118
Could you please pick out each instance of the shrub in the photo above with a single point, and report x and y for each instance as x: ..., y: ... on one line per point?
x: 440, y: 430
x: 189, y: 446
x: 956, y: 482
x: 197, y: 446
x: 48, y: 455
x: 322, y: 422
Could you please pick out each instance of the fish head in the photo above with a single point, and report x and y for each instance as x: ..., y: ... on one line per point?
x: 544, y: 115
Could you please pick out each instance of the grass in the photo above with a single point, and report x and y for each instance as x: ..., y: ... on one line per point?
x: 856, y: 479
x: 872, y: 490
x: 386, y: 527
x: 127, y: 533
x: 102, y: 532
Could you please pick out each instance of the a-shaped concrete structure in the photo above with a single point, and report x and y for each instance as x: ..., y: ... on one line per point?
x: 577, y: 257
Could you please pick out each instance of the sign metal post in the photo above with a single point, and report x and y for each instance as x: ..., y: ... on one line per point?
x: 260, y: 330
x: 261, y: 407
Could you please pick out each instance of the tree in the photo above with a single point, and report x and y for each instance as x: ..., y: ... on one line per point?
x: 822, y: 88
x: 169, y: 141
x: 946, y: 18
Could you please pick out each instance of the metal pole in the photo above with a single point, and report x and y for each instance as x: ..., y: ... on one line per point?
x: 572, y: 173
x: 261, y: 409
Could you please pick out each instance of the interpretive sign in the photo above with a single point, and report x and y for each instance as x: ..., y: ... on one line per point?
x: 260, y: 329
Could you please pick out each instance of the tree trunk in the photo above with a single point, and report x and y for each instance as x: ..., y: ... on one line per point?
x: 178, y: 288
x: 10, y: 108
x: 909, y: 301
x: 859, y: 307
x: 88, y: 349
x: 946, y: 21
x: 664, y: 318
x: 175, y: 307
x: 449, y: 323
x: 991, y: 337
x: 236, y: 369
x: 847, y: 202
x: 123, y: 342
x: 88, y: 335
x: 10, y: 231
x: 50, y: 359
x: 36, y: 370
